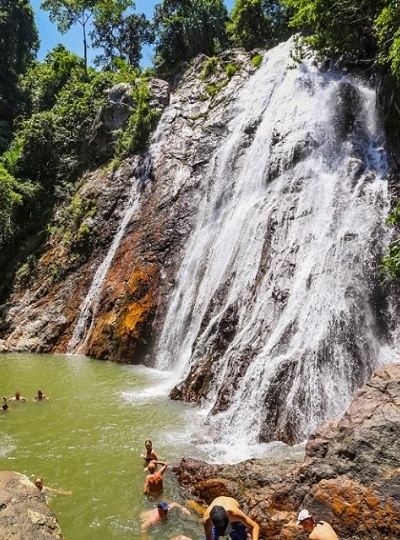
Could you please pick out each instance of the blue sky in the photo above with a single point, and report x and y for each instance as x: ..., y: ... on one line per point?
x: 50, y: 37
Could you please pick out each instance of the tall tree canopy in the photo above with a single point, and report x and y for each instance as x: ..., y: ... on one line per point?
x: 345, y: 27
x: 66, y: 13
x: 185, y: 28
x: 18, y: 46
x: 258, y: 23
x: 119, y: 32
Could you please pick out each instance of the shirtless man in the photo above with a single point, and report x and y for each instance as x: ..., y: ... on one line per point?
x: 159, y: 513
x: 17, y: 397
x: 40, y: 396
x: 319, y: 530
x: 224, y: 517
x: 153, y: 484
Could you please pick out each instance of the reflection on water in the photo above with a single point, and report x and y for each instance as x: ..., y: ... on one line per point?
x: 89, y: 436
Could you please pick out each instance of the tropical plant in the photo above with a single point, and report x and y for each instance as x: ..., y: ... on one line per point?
x: 119, y: 33
x: 44, y: 81
x: 186, y: 29
x: 18, y: 46
x: 67, y: 13
x: 344, y: 28
x: 258, y: 23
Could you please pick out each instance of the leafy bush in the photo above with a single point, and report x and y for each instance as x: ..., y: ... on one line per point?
x: 9, y: 200
x: 256, y: 60
x: 134, y: 137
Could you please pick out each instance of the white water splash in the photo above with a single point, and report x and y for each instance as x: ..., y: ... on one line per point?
x: 288, y: 236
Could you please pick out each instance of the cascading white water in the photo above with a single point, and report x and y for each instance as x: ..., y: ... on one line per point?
x: 88, y: 309
x: 284, y: 254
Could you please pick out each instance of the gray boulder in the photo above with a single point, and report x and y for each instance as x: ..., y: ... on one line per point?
x: 24, y: 514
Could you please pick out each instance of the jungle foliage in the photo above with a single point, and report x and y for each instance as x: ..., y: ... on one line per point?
x: 51, y: 112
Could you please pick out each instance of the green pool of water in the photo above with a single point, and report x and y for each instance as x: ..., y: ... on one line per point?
x: 88, y: 438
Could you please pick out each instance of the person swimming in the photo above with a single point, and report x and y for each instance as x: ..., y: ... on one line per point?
x: 40, y: 396
x: 153, y: 484
x: 150, y: 454
x: 160, y: 513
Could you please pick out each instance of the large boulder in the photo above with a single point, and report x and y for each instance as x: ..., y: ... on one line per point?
x: 24, y: 514
x: 350, y: 475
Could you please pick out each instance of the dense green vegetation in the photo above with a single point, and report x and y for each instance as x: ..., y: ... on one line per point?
x: 51, y: 112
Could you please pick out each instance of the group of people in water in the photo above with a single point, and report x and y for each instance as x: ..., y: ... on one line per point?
x: 153, y: 486
x: 18, y: 398
x: 223, y: 517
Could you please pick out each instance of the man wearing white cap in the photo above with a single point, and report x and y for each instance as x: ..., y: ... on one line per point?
x: 224, y: 518
x: 319, y: 530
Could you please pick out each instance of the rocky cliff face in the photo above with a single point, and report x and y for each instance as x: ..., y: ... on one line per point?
x: 350, y: 476
x: 40, y: 316
x: 240, y: 252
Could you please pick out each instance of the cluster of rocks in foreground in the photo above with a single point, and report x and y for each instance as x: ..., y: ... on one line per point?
x: 24, y: 514
x: 350, y: 475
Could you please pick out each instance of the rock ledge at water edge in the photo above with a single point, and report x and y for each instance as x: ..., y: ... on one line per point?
x: 350, y: 475
x: 24, y: 514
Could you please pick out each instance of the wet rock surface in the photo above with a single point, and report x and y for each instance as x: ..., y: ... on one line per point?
x: 41, y: 313
x: 24, y: 514
x: 350, y: 475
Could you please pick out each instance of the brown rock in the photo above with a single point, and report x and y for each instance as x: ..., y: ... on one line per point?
x: 350, y: 476
x: 24, y: 513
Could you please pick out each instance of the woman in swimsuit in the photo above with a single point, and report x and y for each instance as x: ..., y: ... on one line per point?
x: 150, y: 454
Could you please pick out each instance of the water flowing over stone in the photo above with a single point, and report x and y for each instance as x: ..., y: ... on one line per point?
x: 275, y: 317
x: 245, y: 261
x: 88, y: 310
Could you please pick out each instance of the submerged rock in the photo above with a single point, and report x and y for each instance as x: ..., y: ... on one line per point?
x: 24, y: 514
x: 350, y: 475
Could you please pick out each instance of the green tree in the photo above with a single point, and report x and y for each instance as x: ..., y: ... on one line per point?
x: 257, y: 23
x: 9, y: 200
x: 342, y: 28
x: 119, y: 32
x: 387, y: 26
x: 185, y: 28
x: 18, y: 46
x: 67, y: 13
x: 44, y: 81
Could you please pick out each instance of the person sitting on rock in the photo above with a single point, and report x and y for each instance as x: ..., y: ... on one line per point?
x: 150, y: 454
x: 319, y: 530
x: 153, y: 484
x: 160, y: 513
x: 17, y: 397
x: 223, y: 517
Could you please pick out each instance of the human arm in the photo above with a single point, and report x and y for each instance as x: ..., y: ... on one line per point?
x: 207, y: 525
x: 146, y: 484
x: 182, y: 508
x: 164, y: 466
x: 57, y: 491
x: 238, y: 515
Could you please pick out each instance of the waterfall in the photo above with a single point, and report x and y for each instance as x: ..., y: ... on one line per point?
x: 88, y: 309
x: 275, y: 313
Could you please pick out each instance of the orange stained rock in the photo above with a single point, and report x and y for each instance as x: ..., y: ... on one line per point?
x: 372, y: 500
x: 140, y: 289
x: 343, y: 497
x: 196, y: 507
